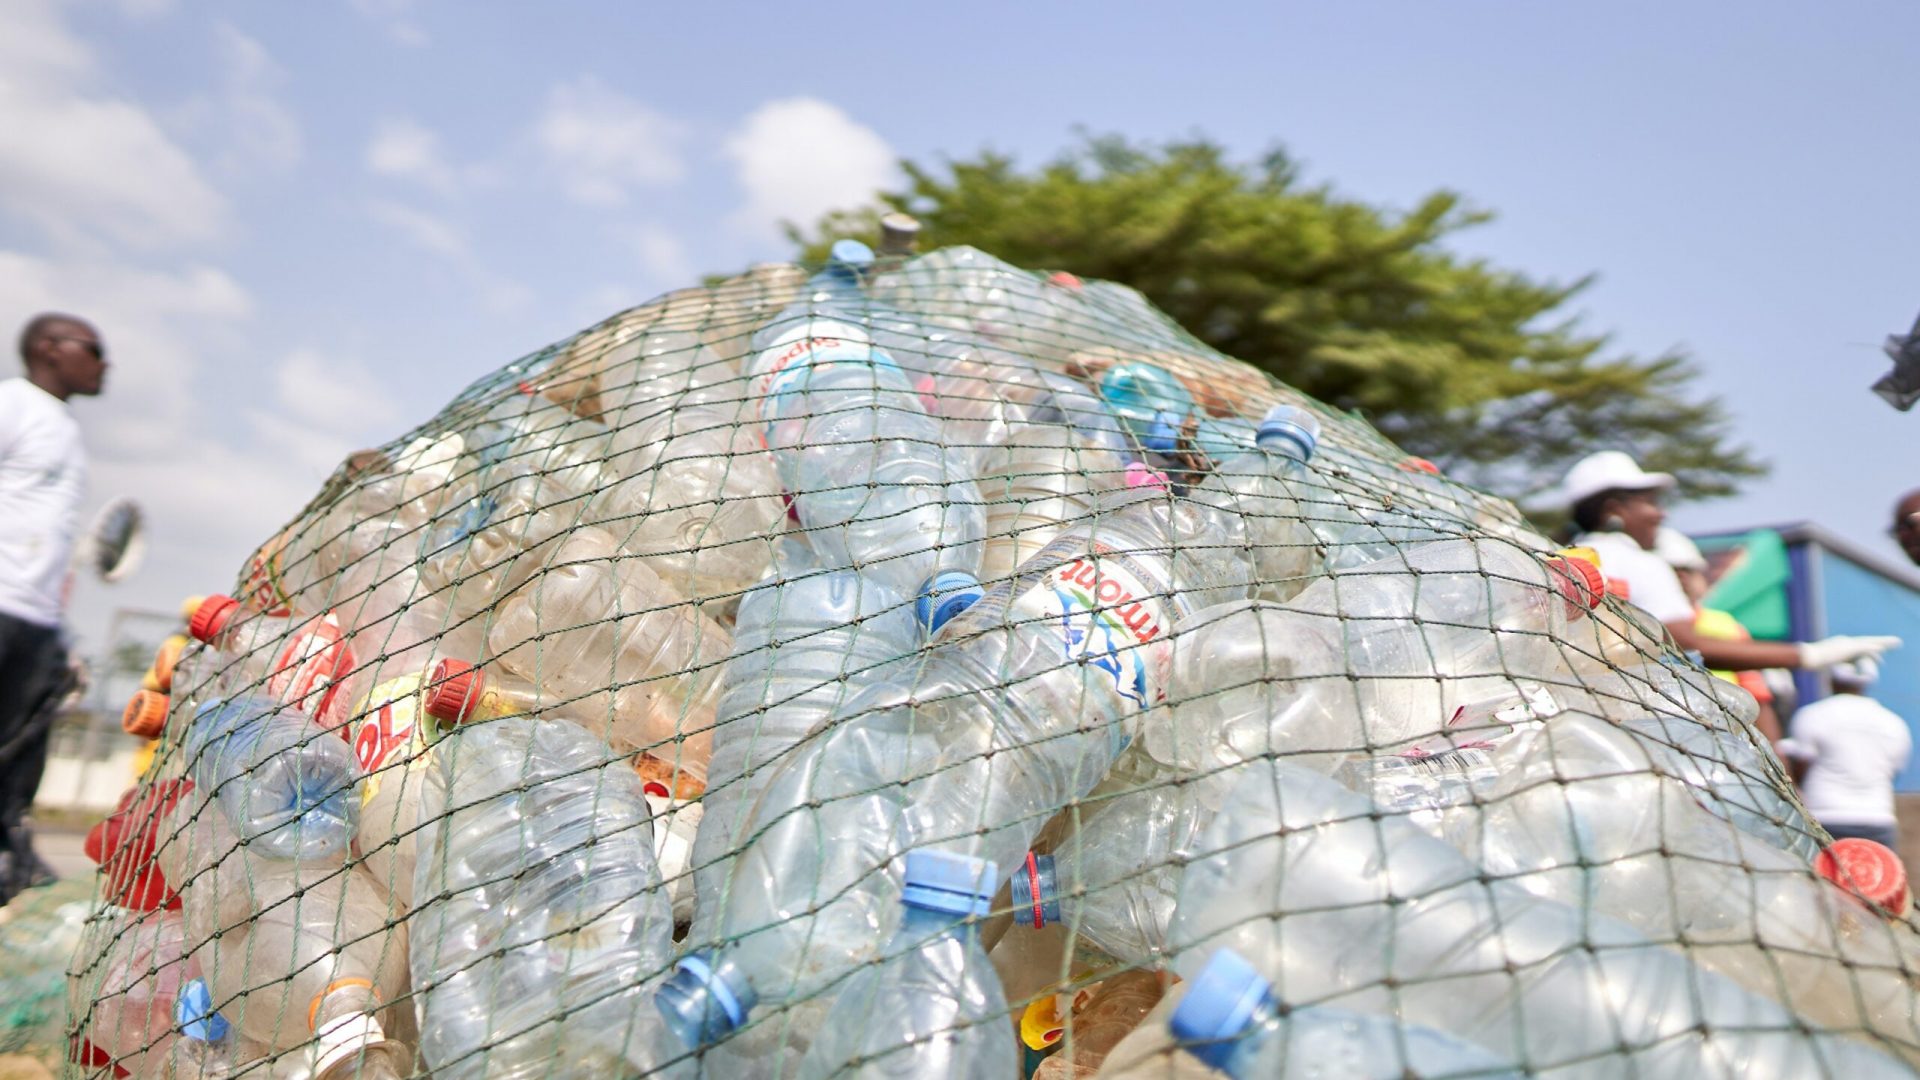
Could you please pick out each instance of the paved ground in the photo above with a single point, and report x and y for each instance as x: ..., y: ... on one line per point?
x: 62, y: 851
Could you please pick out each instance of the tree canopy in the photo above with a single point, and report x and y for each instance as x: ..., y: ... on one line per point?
x: 1479, y: 368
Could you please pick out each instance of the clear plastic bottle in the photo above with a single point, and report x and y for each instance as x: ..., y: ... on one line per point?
x: 1333, y: 901
x: 1040, y: 480
x: 547, y: 923
x: 1377, y: 658
x: 1020, y: 706
x: 1228, y: 1018
x: 595, y: 620
x: 1151, y: 403
x: 1582, y: 812
x: 933, y: 1006
x: 702, y: 494
x: 800, y: 648
x: 295, y: 951
x: 1113, y: 878
x: 122, y: 998
x: 391, y: 734
x: 207, y: 1047
x: 871, y: 475
x: 299, y: 661
x: 283, y: 783
x: 1263, y: 489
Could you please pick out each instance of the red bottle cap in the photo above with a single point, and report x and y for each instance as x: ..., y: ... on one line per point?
x: 146, y: 714
x: 455, y: 691
x: 1872, y: 871
x: 1578, y: 580
x: 1420, y: 464
x: 211, y: 617
x: 124, y: 844
x: 1064, y: 280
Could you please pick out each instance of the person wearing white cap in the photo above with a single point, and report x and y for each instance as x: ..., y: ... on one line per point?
x: 1690, y: 566
x: 1616, y: 506
x: 1846, y: 749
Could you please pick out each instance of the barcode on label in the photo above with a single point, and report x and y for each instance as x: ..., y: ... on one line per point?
x: 1461, y: 761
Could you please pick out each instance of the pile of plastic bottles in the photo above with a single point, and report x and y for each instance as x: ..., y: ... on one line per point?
x: 924, y: 667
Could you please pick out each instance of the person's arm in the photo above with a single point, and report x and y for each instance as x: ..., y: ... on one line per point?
x: 1734, y: 655
x: 1750, y: 655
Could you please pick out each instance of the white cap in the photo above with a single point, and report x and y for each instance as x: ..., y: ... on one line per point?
x: 1677, y: 550
x: 1607, y: 470
x: 1862, y: 672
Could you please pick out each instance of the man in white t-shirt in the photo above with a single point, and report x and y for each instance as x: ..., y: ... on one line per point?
x: 1846, y: 750
x: 43, y: 478
x: 1617, y: 508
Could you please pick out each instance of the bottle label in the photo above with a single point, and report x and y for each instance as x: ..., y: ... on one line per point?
x: 387, y: 720
x: 264, y: 593
x: 308, y: 671
x: 1102, y: 612
x: 793, y: 360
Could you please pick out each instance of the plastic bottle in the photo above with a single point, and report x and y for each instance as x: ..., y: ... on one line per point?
x: 207, y: 1047
x: 1048, y: 671
x: 1151, y: 403
x: 296, y: 952
x: 594, y: 620
x: 123, y: 844
x: 1228, y: 1018
x: 1043, y: 478
x: 122, y: 998
x: 297, y: 660
x: 1377, y: 658
x: 1263, y: 489
x: 933, y: 1007
x: 702, y: 493
x: 548, y: 923
x: 1380, y: 917
x: 800, y: 648
x: 391, y: 736
x: 869, y: 471
x: 1581, y: 813
x: 283, y: 782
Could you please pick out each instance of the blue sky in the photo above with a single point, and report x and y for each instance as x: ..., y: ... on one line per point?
x: 302, y: 227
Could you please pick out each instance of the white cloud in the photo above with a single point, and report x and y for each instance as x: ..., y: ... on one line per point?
x: 396, y: 18
x: 800, y: 157
x: 601, y: 143
x: 426, y: 231
x: 83, y: 165
x: 256, y: 130
x: 405, y: 150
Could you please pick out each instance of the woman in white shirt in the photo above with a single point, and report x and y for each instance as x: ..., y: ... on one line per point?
x: 1617, y: 507
x: 1846, y: 750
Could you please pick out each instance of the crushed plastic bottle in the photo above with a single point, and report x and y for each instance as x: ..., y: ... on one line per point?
x: 938, y: 1005
x: 284, y: 783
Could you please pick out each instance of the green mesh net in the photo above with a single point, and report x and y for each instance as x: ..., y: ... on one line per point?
x: 919, y: 666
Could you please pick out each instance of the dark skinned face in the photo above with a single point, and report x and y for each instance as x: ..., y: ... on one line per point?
x: 72, y: 357
x: 1906, y: 526
x: 1640, y: 516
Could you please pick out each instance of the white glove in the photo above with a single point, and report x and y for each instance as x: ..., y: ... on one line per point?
x: 1838, y: 650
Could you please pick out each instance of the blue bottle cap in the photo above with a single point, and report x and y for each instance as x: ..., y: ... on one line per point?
x: 701, y: 1004
x: 944, y: 881
x: 1162, y: 433
x: 1290, y: 430
x: 1036, y: 892
x: 193, y: 1013
x: 1219, y: 1007
x: 851, y: 253
x: 946, y: 594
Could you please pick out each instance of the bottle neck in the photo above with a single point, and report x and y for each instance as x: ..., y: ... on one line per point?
x: 919, y: 923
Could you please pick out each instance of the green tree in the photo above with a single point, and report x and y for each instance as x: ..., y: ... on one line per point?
x: 1479, y: 368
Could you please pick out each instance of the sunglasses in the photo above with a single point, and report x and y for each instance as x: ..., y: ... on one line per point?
x: 85, y: 343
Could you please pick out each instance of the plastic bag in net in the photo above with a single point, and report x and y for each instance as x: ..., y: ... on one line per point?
x: 924, y: 667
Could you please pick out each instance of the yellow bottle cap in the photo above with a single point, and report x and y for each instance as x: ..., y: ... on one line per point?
x: 1040, y: 1025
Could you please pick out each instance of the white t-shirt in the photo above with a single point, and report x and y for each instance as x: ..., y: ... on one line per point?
x: 43, y: 479
x: 1854, y: 746
x: 1652, y: 586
